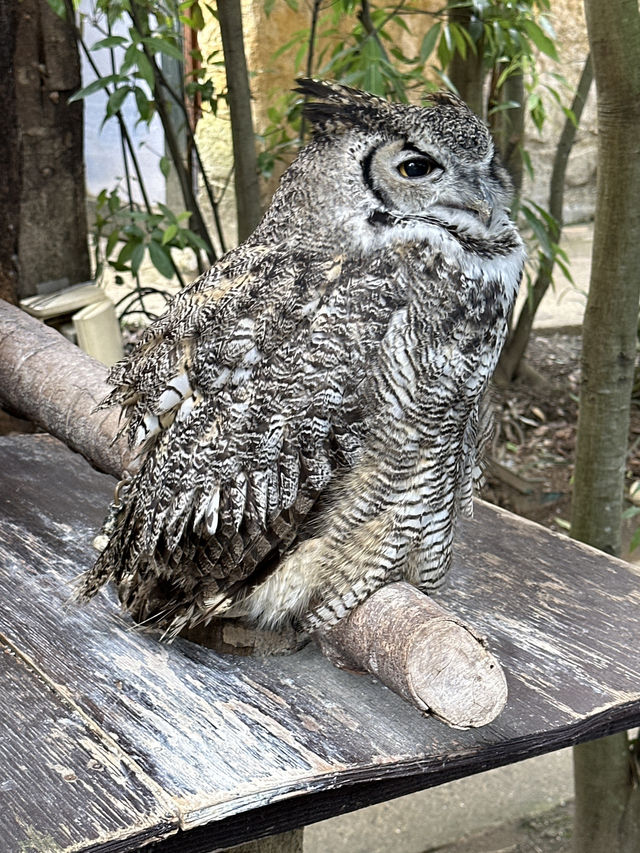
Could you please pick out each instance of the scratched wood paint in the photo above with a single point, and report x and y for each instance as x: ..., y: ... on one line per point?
x: 52, y: 765
x: 224, y: 735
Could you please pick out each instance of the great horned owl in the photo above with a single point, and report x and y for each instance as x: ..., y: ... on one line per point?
x: 306, y: 412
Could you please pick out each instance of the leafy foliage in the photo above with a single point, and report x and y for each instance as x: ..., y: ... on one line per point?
x: 138, y: 38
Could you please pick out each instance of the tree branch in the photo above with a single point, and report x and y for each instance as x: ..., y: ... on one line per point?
x: 519, y: 338
x: 242, y: 133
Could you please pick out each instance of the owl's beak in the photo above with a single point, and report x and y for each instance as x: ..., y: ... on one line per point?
x: 482, y: 209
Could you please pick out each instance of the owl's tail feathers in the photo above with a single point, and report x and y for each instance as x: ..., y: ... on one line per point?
x: 88, y: 584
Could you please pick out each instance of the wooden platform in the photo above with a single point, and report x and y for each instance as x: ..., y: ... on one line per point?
x: 109, y: 738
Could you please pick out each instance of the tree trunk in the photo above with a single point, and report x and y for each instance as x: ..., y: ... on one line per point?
x: 243, y: 137
x: 507, y: 126
x: 518, y: 340
x: 10, y: 166
x: 53, y: 222
x: 611, y: 316
x: 467, y: 73
x: 607, y: 816
x: 605, y: 770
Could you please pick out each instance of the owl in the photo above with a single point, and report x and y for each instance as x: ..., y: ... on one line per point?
x: 306, y: 415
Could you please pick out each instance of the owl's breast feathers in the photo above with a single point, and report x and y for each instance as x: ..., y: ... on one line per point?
x: 257, y: 388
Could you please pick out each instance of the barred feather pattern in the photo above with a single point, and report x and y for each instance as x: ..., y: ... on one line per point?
x: 307, y: 414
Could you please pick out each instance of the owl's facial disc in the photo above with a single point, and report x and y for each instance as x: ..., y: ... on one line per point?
x: 413, y: 180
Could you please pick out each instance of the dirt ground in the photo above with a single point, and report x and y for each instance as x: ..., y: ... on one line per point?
x: 536, y: 424
x: 532, y: 454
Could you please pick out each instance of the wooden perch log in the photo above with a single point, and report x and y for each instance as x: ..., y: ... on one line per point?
x: 45, y: 379
x: 399, y: 635
x: 422, y: 652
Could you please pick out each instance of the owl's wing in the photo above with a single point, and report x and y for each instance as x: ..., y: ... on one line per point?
x: 476, y: 442
x: 245, y: 399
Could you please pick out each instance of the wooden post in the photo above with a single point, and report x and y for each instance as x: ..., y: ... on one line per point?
x: 285, y: 842
x: 415, y: 647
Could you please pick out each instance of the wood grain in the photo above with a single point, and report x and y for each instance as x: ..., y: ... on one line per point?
x: 60, y: 763
x: 422, y: 652
x: 246, y: 747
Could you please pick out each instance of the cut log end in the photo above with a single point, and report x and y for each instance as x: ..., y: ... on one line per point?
x: 451, y: 674
x: 422, y: 652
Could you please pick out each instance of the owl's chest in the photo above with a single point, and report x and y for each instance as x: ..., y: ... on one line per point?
x: 442, y: 345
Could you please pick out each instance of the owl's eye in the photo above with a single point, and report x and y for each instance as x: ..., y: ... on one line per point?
x: 417, y: 167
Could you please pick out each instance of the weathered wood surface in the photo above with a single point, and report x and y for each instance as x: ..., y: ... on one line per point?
x: 245, y: 747
x: 51, y: 761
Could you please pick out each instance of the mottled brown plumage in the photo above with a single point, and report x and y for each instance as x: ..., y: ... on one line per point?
x: 307, y: 411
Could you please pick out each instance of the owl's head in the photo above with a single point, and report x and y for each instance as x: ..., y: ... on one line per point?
x: 370, y: 160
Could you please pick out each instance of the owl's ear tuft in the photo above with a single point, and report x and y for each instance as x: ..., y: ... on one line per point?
x: 335, y: 107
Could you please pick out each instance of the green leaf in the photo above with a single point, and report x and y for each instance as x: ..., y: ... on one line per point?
x: 165, y: 166
x: 538, y: 229
x: 526, y: 159
x: 195, y: 239
x: 125, y: 253
x: 630, y: 512
x: 113, y: 202
x: 136, y: 257
x: 635, y: 540
x: 566, y: 272
x: 429, y: 42
x: 167, y: 211
x: 116, y: 100
x: 145, y: 106
x: 130, y: 58
x: 268, y: 7
x: 112, y: 241
x: 444, y: 53
x: 161, y: 259
x: 300, y: 35
x: 458, y: 38
x: 111, y: 41
x: 95, y: 86
x: 146, y: 70
x: 161, y: 45
x: 133, y: 231
x: 197, y: 18
x: 540, y: 39
x: 169, y: 234
x: 502, y: 107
